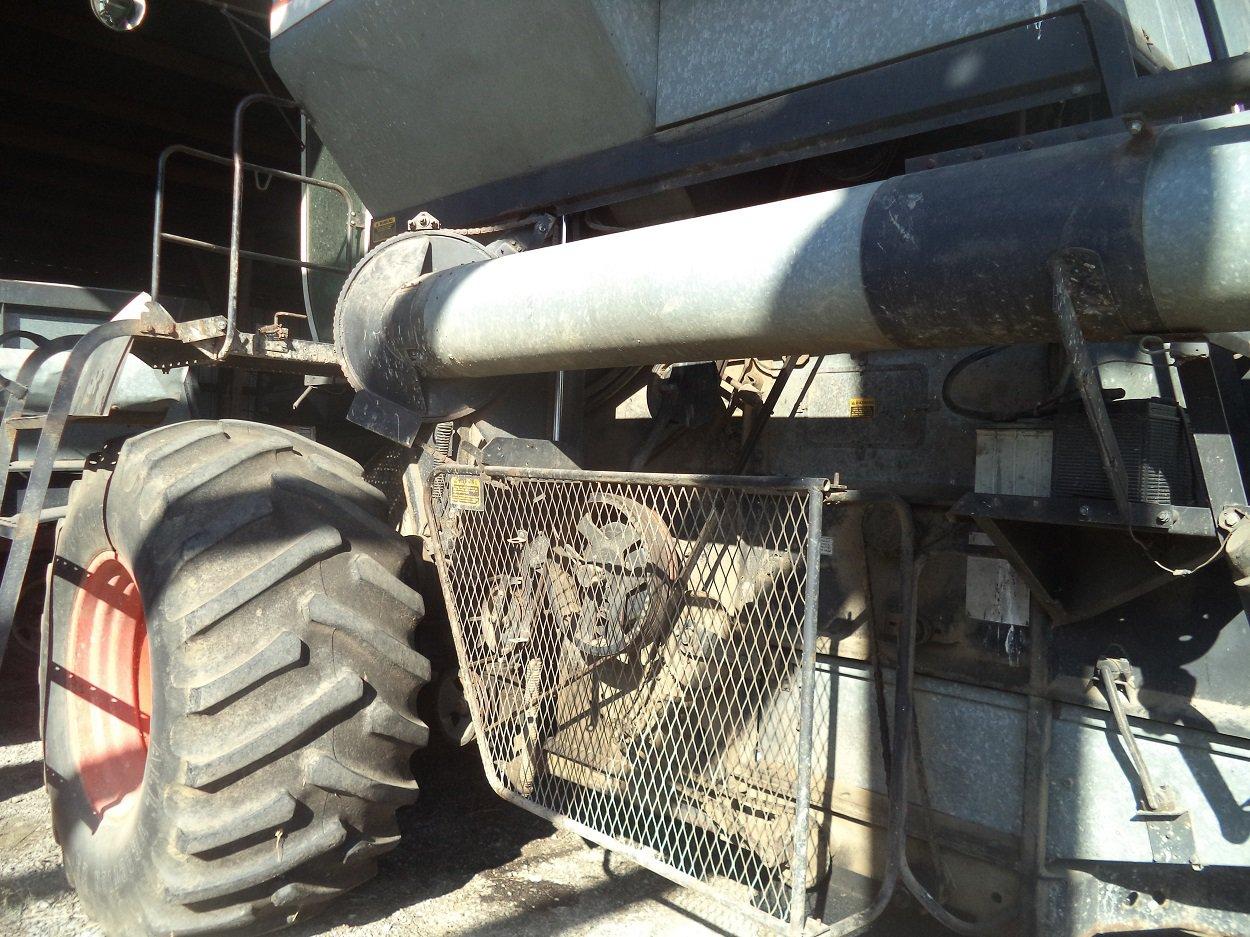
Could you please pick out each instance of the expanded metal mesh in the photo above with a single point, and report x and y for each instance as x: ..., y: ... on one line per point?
x: 633, y: 651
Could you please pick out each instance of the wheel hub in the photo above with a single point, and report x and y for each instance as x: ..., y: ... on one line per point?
x: 109, y: 682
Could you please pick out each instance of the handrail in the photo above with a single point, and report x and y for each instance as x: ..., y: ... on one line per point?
x: 26, y: 522
x: 234, y: 251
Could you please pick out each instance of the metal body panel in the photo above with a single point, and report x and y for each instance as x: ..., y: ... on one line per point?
x: 323, y: 239
x: 1027, y: 68
x: 364, y: 69
x: 43, y: 307
x: 53, y: 310
x: 1196, y: 228
x: 1093, y: 800
x: 138, y: 388
x: 908, y: 441
x: 981, y: 785
x: 1232, y: 33
x: 392, y: 83
x: 716, y: 54
x: 927, y: 260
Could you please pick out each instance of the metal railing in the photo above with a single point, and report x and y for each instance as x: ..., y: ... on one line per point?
x: 233, y: 250
x: 96, y: 369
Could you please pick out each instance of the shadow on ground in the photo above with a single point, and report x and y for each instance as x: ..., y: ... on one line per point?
x: 468, y: 865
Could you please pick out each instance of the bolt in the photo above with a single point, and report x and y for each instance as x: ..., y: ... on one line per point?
x: 1163, y: 518
x: 1083, y: 510
x: 1135, y: 127
x: 424, y: 221
x: 1229, y: 518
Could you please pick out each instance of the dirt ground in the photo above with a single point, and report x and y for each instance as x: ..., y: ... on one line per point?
x: 468, y: 864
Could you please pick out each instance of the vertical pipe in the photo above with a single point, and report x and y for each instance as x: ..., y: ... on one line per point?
x: 1212, y: 29
x: 236, y: 213
x: 557, y: 412
x: 236, y: 221
x: 899, y: 756
x: 1036, y: 765
x: 807, y: 708
x: 158, y: 222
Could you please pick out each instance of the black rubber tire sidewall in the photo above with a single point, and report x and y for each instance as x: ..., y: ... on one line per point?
x: 113, y: 859
x: 226, y: 495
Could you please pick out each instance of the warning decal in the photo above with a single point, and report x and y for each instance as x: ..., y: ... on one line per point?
x: 865, y: 407
x: 466, y: 492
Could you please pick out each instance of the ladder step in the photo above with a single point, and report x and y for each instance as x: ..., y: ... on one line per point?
x: 28, y: 421
x: 47, y: 515
x: 60, y: 465
x: 129, y: 417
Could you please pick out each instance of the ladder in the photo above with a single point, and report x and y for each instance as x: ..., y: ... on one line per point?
x: 84, y: 391
x: 86, y: 386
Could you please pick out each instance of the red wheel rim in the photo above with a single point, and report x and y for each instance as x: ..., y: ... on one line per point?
x: 109, y: 682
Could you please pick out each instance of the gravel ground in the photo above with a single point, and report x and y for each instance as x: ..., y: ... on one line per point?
x: 34, y: 896
x: 469, y: 864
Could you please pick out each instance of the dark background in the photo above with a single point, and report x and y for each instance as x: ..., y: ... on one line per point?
x: 86, y: 113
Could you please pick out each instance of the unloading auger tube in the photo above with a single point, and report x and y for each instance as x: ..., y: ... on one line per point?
x: 943, y: 257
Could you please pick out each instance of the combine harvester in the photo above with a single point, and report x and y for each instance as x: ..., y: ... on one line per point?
x: 827, y: 421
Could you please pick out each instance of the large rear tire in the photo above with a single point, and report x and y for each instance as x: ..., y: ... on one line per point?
x: 229, y: 681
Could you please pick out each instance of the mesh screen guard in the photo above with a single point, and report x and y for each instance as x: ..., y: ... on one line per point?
x: 638, y: 653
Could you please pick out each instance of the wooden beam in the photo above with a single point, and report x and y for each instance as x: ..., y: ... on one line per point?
x: 130, y: 193
x: 258, y: 9
x: 84, y: 31
x: 135, y: 110
x: 115, y: 159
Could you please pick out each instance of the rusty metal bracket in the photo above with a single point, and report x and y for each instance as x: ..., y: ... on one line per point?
x: 1168, y: 826
x: 1080, y: 286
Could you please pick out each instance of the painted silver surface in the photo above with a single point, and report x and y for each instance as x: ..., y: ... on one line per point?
x: 423, y: 100
x: 786, y: 277
x: 139, y: 387
x: 977, y: 782
x: 1093, y: 811
x: 420, y: 100
x: 1169, y: 32
x: 770, y: 278
x: 52, y: 310
x: 1235, y: 25
x: 717, y: 53
x: 1196, y: 224
x: 973, y: 740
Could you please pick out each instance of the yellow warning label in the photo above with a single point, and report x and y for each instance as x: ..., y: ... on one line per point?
x: 382, y: 229
x: 865, y: 407
x: 466, y: 492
